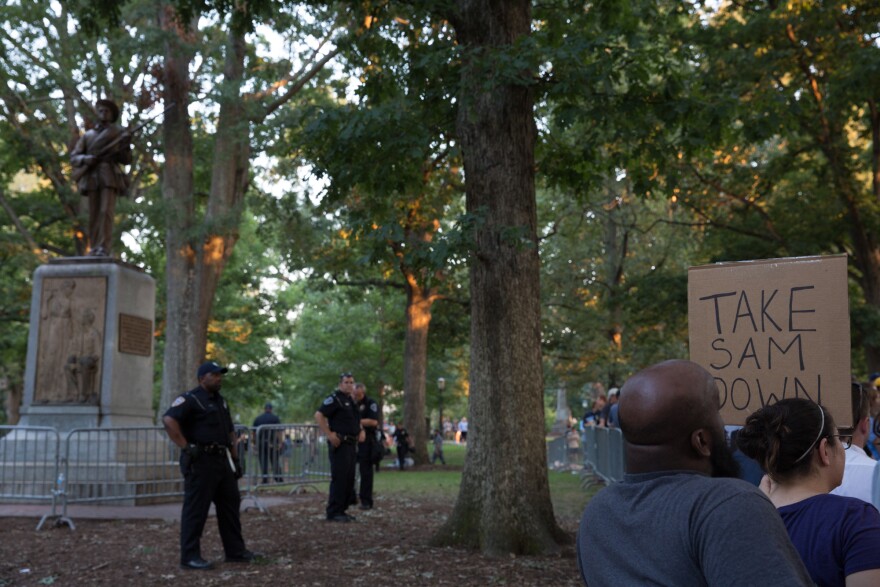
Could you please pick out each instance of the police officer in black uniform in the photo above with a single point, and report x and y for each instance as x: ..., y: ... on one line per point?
x: 339, y: 420
x: 369, y: 412
x: 199, y: 423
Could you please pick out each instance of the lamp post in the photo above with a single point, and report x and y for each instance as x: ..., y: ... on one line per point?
x: 441, y: 385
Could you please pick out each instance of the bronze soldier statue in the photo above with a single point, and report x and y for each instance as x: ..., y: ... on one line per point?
x: 97, y: 163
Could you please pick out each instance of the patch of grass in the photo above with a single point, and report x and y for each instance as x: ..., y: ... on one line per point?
x: 569, y: 498
x: 437, y: 483
x: 453, y: 453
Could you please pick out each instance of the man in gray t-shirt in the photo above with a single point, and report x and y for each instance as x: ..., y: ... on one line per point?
x: 677, y: 518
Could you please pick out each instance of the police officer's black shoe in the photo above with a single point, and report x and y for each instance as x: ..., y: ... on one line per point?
x: 197, y: 564
x: 341, y: 518
x: 245, y: 557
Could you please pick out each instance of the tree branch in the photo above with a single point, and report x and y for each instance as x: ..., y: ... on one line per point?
x: 296, y: 87
x: 367, y: 282
x: 17, y: 222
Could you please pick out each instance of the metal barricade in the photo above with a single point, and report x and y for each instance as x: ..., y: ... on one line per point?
x: 603, y: 455
x: 556, y: 455
x: 278, y: 455
x: 588, y: 442
x: 29, y: 466
x: 129, y: 466
x: 616, y: 462
x: 140, y: 465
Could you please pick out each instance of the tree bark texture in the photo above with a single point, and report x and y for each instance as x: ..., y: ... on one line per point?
x: 181, y: 314
x: 418, y: 320
x: 229, y: 180
x: 504, y: 503
x: 198, y: 248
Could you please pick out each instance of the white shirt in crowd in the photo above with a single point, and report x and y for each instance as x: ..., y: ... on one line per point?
x: 861, y: 477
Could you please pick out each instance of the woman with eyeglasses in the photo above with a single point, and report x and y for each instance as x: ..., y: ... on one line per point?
x: 798, y: 446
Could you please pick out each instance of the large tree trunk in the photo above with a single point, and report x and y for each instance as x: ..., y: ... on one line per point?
x: 229, y: 180
x: 181, y: 353
x: 197, y: 250
x: 504, y: 503
x: 415, y: 355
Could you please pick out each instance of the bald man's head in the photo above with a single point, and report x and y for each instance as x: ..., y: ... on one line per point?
x: 669, y: 413
x: 667, y: 401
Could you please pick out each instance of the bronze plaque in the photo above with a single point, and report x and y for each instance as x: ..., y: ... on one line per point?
x: 135, y: 335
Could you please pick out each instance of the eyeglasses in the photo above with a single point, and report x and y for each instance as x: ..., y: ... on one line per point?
x: 845, y: 439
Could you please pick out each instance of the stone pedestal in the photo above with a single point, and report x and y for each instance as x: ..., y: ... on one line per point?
x: 87, y: 410
x: 90, y: 346
x: 563, y: 414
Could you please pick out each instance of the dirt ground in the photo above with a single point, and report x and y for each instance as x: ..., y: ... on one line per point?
x: 386, y: 546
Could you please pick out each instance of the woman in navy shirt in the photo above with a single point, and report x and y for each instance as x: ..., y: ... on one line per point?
x: 799, y: 448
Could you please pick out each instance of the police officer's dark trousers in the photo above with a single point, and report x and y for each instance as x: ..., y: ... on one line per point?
x: 269, y: 457
x: 210, y: 479
x: 342, y: 473
x: 365, y: 465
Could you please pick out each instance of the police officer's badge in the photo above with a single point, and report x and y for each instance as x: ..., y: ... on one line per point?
x: 328, y: 401
x: 180, y: 399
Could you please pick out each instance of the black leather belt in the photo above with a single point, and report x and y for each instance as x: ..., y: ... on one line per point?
x: 213, y: 449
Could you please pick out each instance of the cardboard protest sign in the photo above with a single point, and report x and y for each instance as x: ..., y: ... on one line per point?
x: 773, y: 329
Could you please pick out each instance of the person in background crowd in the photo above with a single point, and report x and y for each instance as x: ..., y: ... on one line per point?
x: 799, y: 447
x: 674, y: 519
x: 339, y: 420
x: 861, y: 474
x: 463, y: 429
x: 613, y: 418
x: 749, y: 469
x: 606, y: 411
x: 369, y: 413
x: 591, y: 417
x: 572, y: 445
x: 401, y: 436
x: 198, y: 421
x: 268, y: 443
x: 438, y: 448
